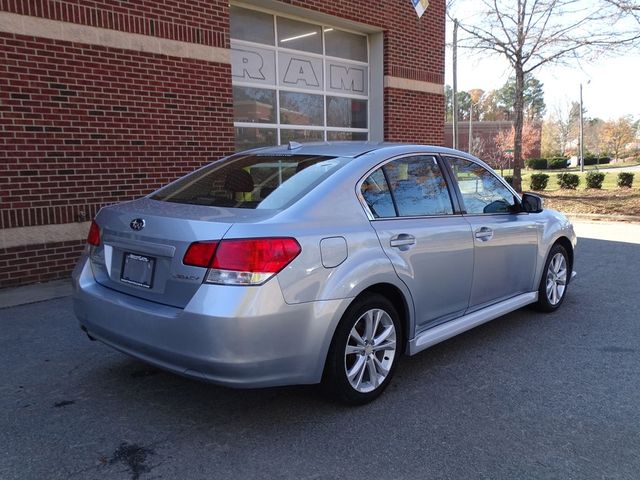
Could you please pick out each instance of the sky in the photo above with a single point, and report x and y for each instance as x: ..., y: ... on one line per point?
x: 613, y: 88
x: 610, y: 85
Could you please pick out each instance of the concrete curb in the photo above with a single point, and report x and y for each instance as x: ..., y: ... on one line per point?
x: 38, y: 292
x: 604, y: 218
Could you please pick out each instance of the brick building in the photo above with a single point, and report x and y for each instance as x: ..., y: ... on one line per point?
x: 103, y: 101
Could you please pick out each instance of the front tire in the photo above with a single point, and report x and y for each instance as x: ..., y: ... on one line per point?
x: 554, y: 281
x: 364, y: 351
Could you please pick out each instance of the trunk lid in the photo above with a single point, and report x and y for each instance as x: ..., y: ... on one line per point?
x: 144, y: 241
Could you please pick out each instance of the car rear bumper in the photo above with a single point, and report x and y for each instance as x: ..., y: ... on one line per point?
x: 235, y: 336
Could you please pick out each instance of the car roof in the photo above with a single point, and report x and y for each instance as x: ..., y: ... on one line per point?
x: 349, y: 149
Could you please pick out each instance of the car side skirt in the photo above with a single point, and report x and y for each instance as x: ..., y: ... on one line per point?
x: 452, y: 328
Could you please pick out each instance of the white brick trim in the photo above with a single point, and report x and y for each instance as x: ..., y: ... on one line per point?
x: 23, y: 236
x: 415, y: 85
x: 71, y: 32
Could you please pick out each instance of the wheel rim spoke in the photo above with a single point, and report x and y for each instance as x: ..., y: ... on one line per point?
x: 385, y: 346
x: 373, y: 374
x: 357, y: 349
x: 379, y: 367
x: 357, y: 367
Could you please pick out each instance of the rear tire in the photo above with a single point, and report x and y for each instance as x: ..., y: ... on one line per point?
x: 554, y: 281
x: 364, y: 351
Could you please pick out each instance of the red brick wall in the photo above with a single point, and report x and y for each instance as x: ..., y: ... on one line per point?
x: 195, y: 21
x: 38, y: 263
x: 84, y: 126
x: 411, y: 116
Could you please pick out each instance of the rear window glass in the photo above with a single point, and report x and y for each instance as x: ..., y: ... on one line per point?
x: 252, y: 181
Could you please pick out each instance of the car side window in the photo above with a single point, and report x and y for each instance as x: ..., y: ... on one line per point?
x: 375, y: 192
x: 481, y: 190
x: 418, y: 186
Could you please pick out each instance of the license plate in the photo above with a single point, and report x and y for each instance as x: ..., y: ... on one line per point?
x: 138, y: 270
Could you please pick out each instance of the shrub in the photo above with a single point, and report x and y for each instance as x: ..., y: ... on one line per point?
x: 595, y: 160
x: 557, y: 163
x: 625, y: 179
x: 509, y: 179
x: 568, y: 181
x: 594, y: 179
x: 539, y: 181
x: 537, y: 163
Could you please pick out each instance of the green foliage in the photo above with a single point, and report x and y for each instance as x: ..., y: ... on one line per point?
x: 534, y: 106
x: 590, y: 159
x: 537, y: 163
x: 625, y: 179
x: 594, y: 179
x: 509, y: 179
x: 568, y: 181
x: 557, y: 163
x: 539, y: 181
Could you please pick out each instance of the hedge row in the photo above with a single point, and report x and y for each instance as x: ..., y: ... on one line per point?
x: 539, y: 181
x: 555, y: 163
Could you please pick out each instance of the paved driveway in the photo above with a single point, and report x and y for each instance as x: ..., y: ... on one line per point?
x: 525, y: 396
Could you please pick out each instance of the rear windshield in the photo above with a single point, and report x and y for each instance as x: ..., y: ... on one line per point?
x: 251, y: 181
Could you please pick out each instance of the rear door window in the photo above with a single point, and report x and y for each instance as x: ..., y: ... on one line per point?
x: 408, y: 187
x: 252, y: 181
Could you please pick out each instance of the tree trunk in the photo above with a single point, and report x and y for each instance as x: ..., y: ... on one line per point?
x: 517, y: 127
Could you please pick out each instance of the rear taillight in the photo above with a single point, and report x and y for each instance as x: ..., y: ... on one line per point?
x: 244, y: 261
x: 94, y: 234
x: 200, y: 254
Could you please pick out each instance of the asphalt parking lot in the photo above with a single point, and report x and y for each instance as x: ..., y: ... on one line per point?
x: 525, y: 396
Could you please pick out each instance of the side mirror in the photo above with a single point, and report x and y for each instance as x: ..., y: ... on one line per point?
x: 531, y: 203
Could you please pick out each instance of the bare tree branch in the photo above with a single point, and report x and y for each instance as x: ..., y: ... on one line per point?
x: 533, y: 33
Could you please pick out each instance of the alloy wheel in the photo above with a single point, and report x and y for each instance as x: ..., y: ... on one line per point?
x: 370, y: 350
x: 556, y: 278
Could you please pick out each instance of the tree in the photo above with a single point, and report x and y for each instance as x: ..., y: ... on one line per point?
x: 532, y: 33
x: 533, y: 98
x: 464, y: 103
x: 616, y: 134
x: 560, y: 129
x: 505, y: 140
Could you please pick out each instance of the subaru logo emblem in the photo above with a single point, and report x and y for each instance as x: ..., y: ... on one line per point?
x: 137, y: 224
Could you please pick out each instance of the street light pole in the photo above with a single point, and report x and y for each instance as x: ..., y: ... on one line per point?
x: 455, y: 84
x: 581, y: 133
x: 470, y: 149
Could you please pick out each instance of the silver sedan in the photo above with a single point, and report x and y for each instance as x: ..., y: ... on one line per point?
x: 317, y: 263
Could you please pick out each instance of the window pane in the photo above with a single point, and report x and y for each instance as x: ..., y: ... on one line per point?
x: 346, y: 112
x: 418, y: 186
x: 301, y: 109
x: 375, y: 192
x: 345, y: 45
x: 347, y: 136
x: 346, y: 78
x: 253, y: 64
x: 301, y: 136
x: 299, y: 35
x: 482, y: 192
x: 251, y: 25
x: 247, y: 138
x: 254, y: 105
x: 251, y: 181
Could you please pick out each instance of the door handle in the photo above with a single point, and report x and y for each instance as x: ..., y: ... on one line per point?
x: 402, y: 240
x: 484, y: 234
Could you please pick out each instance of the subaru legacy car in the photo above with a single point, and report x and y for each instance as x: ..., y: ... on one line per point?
x: 317, y: 263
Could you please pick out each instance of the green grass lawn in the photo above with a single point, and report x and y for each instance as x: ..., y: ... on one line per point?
x: 610, y: 179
